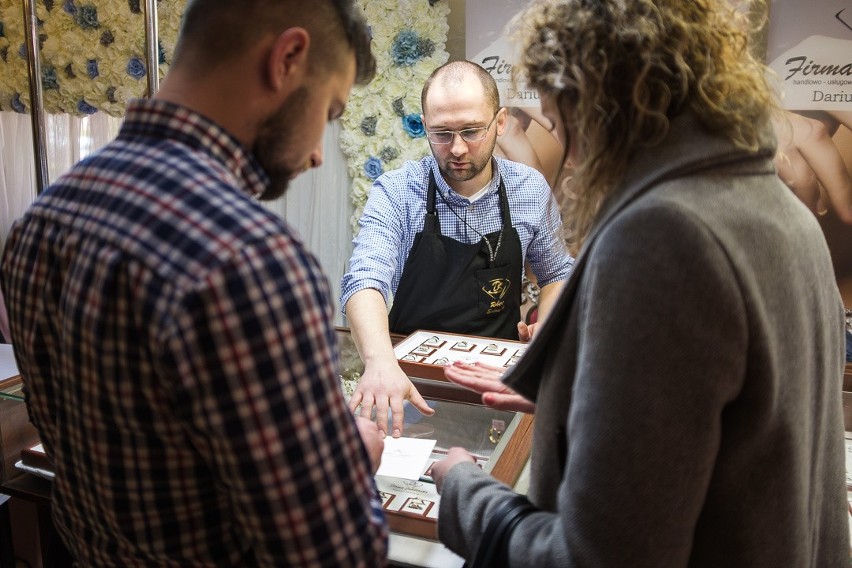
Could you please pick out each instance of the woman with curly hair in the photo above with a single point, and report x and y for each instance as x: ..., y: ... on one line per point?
x: 687, y: 383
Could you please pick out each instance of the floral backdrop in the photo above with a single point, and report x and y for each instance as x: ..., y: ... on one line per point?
x: 92, y: 53
x: 382, y: 126
x: 93, y: 59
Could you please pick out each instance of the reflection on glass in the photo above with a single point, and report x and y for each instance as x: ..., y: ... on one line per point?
x: 476, y: 428
x: 457, y: 424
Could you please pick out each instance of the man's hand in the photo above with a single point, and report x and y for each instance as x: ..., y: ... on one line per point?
x: 384, y: 385
x: 373, y: 441
x: 440, y: 469
x: 485, y: 379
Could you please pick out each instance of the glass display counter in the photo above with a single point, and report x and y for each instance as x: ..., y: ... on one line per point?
x: 500, y: 441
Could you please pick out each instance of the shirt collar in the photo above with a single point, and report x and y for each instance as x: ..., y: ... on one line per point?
x: 454, y: 197
x: 169, y: 121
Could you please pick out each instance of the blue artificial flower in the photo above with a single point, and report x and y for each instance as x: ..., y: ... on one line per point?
x: 134, y: 6
x: 368, y: 125
x: 2, y: 30
x: 373, y: 168
x: 17, y: 105
x: 69, y: 7
x: 85, y: 107
x: 87, y: 17
x: 48, y: 79
x: 161, y: 53
x: 22, y: 51
x: 92, y: 68
x: 413, y: 126
x: 408, y: 48
x: 135, y: 68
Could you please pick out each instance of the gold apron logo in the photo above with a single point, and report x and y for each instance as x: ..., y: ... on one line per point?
x: 496, y: 289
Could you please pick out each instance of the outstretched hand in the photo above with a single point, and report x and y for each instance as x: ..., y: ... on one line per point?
x: 485, y: 379
x: 383, y: 388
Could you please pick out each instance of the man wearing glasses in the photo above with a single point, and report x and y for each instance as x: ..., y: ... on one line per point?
x: 446, y: 238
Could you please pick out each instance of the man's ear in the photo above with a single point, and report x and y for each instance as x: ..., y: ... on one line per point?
x: 288, y: 59
x: 501, y: 120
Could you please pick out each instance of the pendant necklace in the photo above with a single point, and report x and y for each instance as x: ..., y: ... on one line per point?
x: 492, y: 251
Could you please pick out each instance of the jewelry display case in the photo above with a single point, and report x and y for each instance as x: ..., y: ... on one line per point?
x: 424, y: 354
x: 500, y: 440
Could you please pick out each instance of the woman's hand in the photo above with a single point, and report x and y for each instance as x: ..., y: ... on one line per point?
x: 485, y: 379
x: 440, y: 469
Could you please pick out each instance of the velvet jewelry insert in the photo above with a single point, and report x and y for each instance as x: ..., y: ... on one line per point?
x: 424, y: 354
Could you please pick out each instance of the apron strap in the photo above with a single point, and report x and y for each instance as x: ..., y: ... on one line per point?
x: 430, y: 222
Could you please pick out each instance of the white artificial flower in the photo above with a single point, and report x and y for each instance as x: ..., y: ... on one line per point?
x: 391, y: 143
x: 119, y: 35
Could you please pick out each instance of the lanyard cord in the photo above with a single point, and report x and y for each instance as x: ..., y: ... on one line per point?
x: 492, y: 251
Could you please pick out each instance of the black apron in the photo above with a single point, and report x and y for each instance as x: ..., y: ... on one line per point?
x: 454, y: 287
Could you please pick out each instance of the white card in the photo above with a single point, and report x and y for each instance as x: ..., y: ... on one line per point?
x: 405, y: 457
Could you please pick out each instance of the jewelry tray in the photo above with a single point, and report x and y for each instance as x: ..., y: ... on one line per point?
x: 424, y: 354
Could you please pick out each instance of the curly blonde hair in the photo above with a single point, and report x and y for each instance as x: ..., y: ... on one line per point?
x: 620, y: 70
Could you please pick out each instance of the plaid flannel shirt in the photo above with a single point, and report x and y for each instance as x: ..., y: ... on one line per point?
x: 179, y: 360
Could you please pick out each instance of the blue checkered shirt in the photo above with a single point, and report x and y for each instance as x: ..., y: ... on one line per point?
x: 176, y: 344
x: 396, y: 208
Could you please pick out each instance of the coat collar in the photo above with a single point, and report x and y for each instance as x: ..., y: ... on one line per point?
x: 688, y: 148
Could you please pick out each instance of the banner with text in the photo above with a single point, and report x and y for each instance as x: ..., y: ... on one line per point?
x: 486, y: 44
x: 809, y: 46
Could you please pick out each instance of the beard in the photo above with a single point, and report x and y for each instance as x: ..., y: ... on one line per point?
x: 477, y: 162
x: 276, y: 136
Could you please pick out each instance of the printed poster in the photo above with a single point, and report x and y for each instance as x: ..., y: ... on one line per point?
x: 487, y: 45
x: 809, y: 47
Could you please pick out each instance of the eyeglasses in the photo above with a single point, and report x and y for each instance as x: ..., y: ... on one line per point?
x: 468, y: 134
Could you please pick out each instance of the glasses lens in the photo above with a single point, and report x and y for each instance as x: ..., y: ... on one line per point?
x: 440, y: 137
x: 473, y: 134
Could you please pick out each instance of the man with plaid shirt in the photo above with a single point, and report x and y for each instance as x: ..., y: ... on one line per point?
x: 175, y: 337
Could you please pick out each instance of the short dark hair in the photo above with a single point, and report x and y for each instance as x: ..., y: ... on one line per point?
x: 212, y: 31
x: 455, y: 71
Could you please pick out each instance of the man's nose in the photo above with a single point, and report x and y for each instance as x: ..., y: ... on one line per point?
x: 458, y: 146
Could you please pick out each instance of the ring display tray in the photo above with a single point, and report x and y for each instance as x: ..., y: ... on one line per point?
x: 424, y: 354
x: 500, y: 440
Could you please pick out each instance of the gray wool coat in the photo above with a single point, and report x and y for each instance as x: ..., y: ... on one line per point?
x: 688, y: 381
